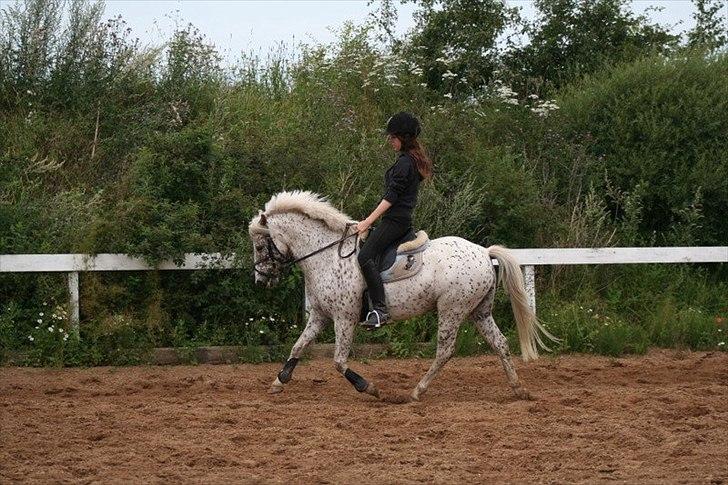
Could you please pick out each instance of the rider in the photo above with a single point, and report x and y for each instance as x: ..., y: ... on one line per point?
x: 402, y: 181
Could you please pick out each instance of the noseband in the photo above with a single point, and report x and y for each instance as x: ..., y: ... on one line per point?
x: 287, y: 262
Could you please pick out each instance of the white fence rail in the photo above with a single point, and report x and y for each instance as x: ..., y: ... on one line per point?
x: 72, y: 264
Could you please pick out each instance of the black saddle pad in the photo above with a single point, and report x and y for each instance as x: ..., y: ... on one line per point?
x: 386, y: 260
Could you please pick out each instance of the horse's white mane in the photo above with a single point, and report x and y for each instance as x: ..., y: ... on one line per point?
x: 307, y: 203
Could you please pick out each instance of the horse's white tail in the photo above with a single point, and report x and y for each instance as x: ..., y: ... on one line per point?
x: 526, y: 320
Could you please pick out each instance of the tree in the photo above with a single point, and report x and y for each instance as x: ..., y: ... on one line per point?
x: 711, y: 30
x: 575, y: 37
x: 455, y: 41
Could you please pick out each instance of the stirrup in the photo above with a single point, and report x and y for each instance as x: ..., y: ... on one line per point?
x: 370, y: 325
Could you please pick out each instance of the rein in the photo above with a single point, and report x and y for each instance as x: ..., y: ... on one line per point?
x: 286, y: 261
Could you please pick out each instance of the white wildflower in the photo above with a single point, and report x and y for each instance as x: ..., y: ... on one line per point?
x: 505, y: 92
x: 448, y: 95
x: 50, y: 329
x: 260, y: 331
x: 471, y: 101
x: 449, y: 74
x: 40, y: 320
x: 720, y: 344
x: 41, y: 314
x: 30, y: 337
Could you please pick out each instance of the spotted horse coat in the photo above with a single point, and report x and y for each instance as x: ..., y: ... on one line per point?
x: 457, y: 280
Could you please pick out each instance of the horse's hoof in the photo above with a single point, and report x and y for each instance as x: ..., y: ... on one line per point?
x: 275, y: 389
x: 372, y: 390
x: 523, y: 394
x: 415, y: 397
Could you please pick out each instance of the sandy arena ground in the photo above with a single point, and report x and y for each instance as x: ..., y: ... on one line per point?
x: 658, y: 418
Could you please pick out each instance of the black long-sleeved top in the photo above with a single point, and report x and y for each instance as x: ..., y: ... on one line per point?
x: 401, y: 182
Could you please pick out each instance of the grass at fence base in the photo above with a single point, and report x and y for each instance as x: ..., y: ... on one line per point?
x: 618, y: 321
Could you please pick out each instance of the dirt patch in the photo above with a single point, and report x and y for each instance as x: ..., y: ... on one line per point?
x: 661, y: 417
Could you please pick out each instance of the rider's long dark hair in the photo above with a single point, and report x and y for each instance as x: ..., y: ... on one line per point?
x: 412, y: 145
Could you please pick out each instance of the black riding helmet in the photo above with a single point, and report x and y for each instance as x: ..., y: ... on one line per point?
x: 403, y: 124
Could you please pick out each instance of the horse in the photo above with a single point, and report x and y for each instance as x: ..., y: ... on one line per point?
x: 457, y: 279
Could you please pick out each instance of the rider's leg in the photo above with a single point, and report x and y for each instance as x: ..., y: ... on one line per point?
x: 378, y: 240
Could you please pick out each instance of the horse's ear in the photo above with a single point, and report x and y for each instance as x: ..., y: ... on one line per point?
x: 263, y: 219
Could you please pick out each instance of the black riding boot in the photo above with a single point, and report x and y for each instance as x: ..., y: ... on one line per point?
x: 378, y: 315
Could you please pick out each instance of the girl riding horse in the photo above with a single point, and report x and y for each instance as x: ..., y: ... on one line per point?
x: 402, y: 182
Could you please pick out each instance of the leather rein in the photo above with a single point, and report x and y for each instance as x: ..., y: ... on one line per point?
x: 286, y: 262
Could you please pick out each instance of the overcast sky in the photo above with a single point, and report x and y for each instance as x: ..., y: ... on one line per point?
x: 258, y: 26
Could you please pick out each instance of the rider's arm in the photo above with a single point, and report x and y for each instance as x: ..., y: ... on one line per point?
x: 381, y: 209
x: 399, y: 179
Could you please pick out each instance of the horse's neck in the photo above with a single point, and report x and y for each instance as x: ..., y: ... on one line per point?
x: 306, y: 236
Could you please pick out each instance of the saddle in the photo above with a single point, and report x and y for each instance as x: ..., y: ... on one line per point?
x: 403, y: 257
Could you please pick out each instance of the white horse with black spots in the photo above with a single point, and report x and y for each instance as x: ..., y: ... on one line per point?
x: 457, y: 278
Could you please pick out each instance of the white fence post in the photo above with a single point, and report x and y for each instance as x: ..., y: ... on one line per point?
x: 529, y: 277
x: 73, y: 303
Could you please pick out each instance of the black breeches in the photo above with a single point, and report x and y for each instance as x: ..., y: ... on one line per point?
x: 377, y: 241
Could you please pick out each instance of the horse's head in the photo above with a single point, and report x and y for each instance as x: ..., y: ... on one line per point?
x: 270, y: 254
x: 297, y: 221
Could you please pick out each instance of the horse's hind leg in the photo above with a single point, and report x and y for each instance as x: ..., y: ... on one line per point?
x: 314, y: 325
x: 447, y: 332
x: 483, y: 319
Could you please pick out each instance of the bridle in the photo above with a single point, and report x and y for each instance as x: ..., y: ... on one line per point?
x: 286, y: 261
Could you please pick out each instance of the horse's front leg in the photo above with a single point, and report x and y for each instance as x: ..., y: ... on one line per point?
x: 315, y: 323
x: 344, y: 330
